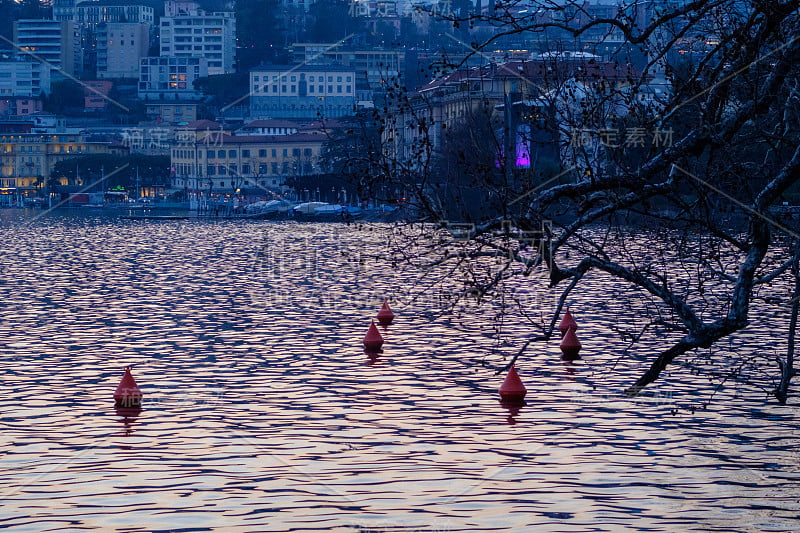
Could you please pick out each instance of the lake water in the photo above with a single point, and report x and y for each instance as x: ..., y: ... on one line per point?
x: 262, y: 413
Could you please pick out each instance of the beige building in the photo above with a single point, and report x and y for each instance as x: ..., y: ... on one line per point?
x: 206, y: 160
x: 26, y: 160
x: 178, y: 113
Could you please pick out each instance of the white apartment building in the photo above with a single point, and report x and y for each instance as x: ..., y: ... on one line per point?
x: 170, y: 78
x: 120, y: 49
x: 23, y: 77
x: 190, y: 31
x: 55, y: 42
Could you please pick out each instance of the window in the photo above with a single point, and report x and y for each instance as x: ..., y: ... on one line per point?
x: 307, y: 152
x: 221, y: 154
x: 321, y: 89
x: 283, y: 88
x: 347, y: 89
x: 245, y: 153
x: 222, y: 171
x: 211, y: 170
x: 348, y: 79
x: 311, y: 78
x: 330, y: 79
x: 255, y: 78
x: 339, y: 89
x: 245, y: 168
x: 294, y: 78
x: 330, y: 89
x: 274, y: 153
x: 296, y: 152
x: 274, y: 88
x: 262, y: 153
x: 311, y: 88
x: 262, y: 168
x: 285, y: 152
x: 293, y: 88
x: 339, y: 79
x: 274, y: 168
x: 231, y: 154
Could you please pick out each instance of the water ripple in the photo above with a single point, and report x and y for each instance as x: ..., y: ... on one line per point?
x: 263, y: 413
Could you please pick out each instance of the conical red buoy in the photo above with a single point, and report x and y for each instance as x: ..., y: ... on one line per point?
x: 570, y: 346
x: 373, y: 340
x: 512, y: 388
x: 566, y: 323
x: 385, y: 315
x: 128, y: 393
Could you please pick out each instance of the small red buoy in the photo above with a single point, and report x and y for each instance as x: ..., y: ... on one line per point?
x: 570, y: 346
x: 566, y: 323
x: 512, y: 388
x: 373, y: 340
x: 385, y: 315
x: 128, y: 393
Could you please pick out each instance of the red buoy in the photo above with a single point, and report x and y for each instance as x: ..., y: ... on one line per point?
x: 570, y: 346
x: 566, y: 323
x: 128, y: 393
x: 373, y: 340
x: 512, y: 388
x: 385, y: 315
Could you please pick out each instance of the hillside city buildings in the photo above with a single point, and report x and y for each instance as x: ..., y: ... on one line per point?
x: 158, y: 62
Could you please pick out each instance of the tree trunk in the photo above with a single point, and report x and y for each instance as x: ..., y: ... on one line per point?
x: 787, y: 365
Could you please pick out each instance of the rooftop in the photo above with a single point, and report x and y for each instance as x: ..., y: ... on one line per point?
x: 271, y: 123
x: 288, y: 69
x: 537, y: 70
x: 202, y: 124
x: 123, y: 3
x: 268, y: 139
